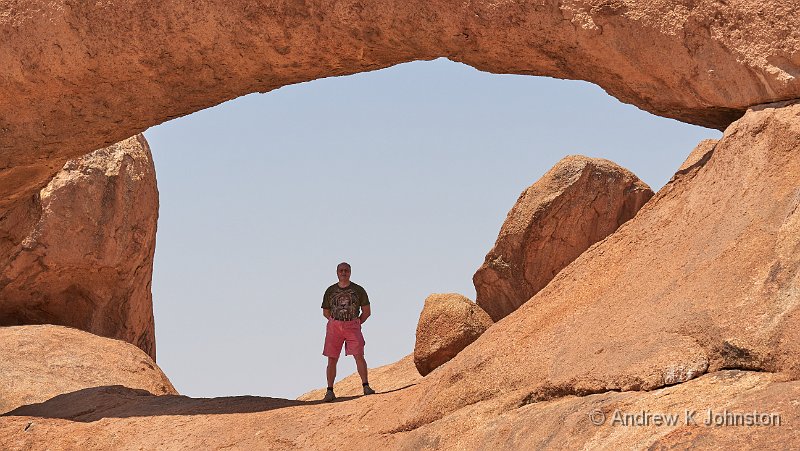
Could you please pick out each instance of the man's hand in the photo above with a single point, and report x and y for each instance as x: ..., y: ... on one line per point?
x: 326, y: 312
x: 365, y: 312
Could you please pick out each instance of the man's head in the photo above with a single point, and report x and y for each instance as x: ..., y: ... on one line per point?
x: 343, y: 273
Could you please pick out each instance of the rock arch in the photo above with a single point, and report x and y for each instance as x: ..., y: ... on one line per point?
x: 77, y: 76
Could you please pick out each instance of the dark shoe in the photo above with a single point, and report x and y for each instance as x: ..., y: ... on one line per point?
x: 329, y: 396
x: 368, y: 390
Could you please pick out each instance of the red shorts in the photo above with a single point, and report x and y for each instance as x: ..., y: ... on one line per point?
x: 343, y: 332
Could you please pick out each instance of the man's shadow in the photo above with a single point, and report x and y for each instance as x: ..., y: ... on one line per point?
x: 117, y: 401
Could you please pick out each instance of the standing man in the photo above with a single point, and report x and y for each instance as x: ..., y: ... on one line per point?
x: 346, y: 306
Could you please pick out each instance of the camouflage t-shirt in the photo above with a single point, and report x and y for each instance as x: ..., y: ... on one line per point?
x: 345, y: 303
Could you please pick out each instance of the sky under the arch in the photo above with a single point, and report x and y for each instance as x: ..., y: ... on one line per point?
x: 407, y: 173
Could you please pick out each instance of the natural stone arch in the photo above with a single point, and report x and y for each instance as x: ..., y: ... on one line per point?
x: 76, y: 76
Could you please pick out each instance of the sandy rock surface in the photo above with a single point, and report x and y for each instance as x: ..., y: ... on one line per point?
x: 447, y: 324
x: 384, y: 379
x: 699, y: 156
x: 690, y: 305
x: 575, y: 204
x: 608, y: 420
x: 80, y: 253
x: 78, y: 76
x: 705, y: 277
x: 40, y: 362
x: 129, y: 419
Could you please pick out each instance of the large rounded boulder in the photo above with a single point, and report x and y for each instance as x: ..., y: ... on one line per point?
x: 80, y: 252
x: 40, y: 362
x: 448, y: 323
x: 575, y: 204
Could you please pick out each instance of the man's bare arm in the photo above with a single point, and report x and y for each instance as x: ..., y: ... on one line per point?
x: 326, y: 312
x: 365, y: 312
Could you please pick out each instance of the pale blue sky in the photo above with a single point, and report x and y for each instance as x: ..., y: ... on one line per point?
x: 407, y: 173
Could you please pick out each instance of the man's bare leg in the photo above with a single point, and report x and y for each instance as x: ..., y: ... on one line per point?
x: 331, y: 373
x: 331, y: 370
x: 361, y: 366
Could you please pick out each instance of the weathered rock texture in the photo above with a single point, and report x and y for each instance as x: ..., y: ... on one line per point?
x: 40, y: 362
x: 77, y: 76
x: 447, y: 324
x: 685, y: 299
x: 705, y: 277
x: 575, y: 204
x: 699, y: 156
x: 565, y: 421
x: 132, y: 419
x: 80, y: 253
x: 384, y: 379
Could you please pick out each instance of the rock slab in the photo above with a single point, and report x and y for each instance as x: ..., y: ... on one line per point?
x: 706, y: 277
x: 128, y: 419
x: 690, y: 305
x: 41, y: 362
x: 447, y: 324
x: 387, y: 378
x: 78, y: 76
x: 577, y: 203
x: 80, y: 252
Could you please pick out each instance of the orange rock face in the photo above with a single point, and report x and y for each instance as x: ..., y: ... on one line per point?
x: 386, y: 378
x: 132, y: 419
x: 447, y: 324
x: 608, y: 420
x: 704, y: 278
x: 690, y: 305
x: 80, y: 253
x: 577, y: 203
x: 78, y: 76
x: 40, y: 362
